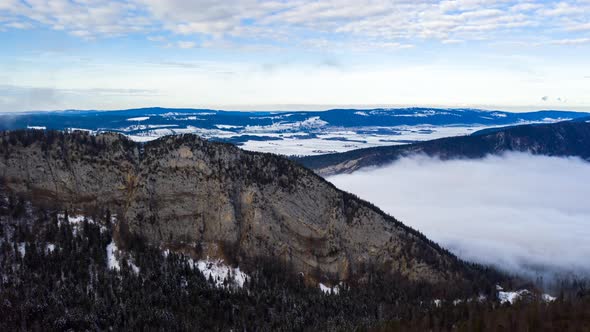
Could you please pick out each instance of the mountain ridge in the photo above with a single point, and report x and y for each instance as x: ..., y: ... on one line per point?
x: 212, y: 199
x: 568, y: 138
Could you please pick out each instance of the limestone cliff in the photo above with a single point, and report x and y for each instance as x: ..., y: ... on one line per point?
x: 213, y: 199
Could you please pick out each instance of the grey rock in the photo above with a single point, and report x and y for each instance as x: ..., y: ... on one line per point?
x: 186, y: 194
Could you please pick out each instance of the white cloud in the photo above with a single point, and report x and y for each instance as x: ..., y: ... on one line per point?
x: 18, y: 25
x: 186, y: 44
x: 574, y: 41
x: 527, y: 214
x: 371, y: 21
x: 156, y: 38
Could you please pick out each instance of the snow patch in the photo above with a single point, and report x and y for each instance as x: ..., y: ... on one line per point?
x: 37, y: 127
x: 219, y: 272
x: 329, y: 290
x: 76, y: 221
x: 114, y: 256
x: 22, y: 249
x: 512, y: 297
x: 72, y: 129
x: 222, y: 126
x: 112, y: 261
x: 139, y: 118
x: 552, y: 120
x: 311, y: 123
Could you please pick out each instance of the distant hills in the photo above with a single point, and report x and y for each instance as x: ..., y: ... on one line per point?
x: 157, y: 117
x: 567, y: 138
x: 289, y: 133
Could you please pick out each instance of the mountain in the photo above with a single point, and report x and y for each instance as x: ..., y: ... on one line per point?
x: 215, y: 201
x: 288, y: 133
x: 567, y: 138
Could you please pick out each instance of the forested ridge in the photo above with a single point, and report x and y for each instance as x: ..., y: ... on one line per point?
x: 58, y: 275
x: 71, y: 287
x: 567, y: 138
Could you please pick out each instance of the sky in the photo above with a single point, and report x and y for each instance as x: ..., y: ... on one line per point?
x: 495, y: 211
x: 301, y: 54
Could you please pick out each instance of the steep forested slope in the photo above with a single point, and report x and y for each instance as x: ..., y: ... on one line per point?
x: 214, y: 200
x: 560, y: 139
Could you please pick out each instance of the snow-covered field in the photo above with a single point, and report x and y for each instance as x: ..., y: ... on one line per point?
x: 292, y: 132
x: 332, y: 140
x: 310, y: 141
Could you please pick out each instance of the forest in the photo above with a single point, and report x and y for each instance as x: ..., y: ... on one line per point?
x: 55, y: 276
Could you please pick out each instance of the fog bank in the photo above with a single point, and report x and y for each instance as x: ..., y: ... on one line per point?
x: 522, y: 213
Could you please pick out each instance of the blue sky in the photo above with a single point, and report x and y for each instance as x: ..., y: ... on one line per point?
x: 245, y: 54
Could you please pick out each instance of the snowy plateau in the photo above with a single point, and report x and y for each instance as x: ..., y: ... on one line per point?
x: 288, y: 133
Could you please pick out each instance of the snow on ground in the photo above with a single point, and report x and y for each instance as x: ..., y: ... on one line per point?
x: 331, y: 140
x: 71, y: 130
x: 498, y: 115
x: 145, y: 127
x: 76, y: 221
x: 329, y: 290
x: 552, y: 120
x: 219, y: 271
x: 312, y: 136
x: 513, y: 296
x: 310, y: 123
x: 37, y: 127
x: 154, y: 134
x: 323, y: 140
x: 503, y: 296
x: 223, y: 126
x: 22, y: 249
x: 139, y: 118
x: 112, y: 260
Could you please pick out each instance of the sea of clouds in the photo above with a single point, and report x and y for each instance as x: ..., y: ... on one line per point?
x: 524, y: 214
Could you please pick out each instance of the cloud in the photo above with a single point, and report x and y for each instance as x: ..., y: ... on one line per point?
x: 18, y: 25
x: 15, y: 98
x: 571, y: 41
x: 156, y: 38
x: 186, y: 44
x: 522, y: 213
x: 80, y: 18
x: 349, y: 22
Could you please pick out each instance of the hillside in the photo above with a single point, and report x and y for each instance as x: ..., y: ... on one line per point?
x: 214, y: 200
x: 285, y: 132
x: 568, y: 138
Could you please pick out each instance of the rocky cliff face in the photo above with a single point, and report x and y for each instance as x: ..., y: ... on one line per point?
x: 211, y: 199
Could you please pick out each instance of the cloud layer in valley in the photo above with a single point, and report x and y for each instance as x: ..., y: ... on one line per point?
x: 522, y: 213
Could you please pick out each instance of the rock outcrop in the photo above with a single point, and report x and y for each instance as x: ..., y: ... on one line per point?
x: 211, y: 199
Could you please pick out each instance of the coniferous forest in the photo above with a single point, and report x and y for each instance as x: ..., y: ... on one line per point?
x: 56, y: 277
